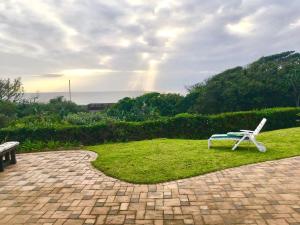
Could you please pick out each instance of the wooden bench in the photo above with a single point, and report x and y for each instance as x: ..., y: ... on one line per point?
x: 8, y: 151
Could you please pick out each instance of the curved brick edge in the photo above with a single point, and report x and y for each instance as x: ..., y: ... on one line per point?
x: 94, y: 156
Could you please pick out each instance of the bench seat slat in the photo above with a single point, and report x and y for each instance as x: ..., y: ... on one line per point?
x: 8, y: 145
x: 8, y: 150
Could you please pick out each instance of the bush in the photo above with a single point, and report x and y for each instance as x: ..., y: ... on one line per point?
x: 7, y: 108
x: 40, y: 120
x: 4, y: 120
x: 56, y: 106
x: 84, y: 118
x: 7, y: 113
x: 149, y: 106
x: 38, y: 146
x: 180, y: 126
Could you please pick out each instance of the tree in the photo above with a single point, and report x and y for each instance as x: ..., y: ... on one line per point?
x: 146, y: 107
x: 62, y: 107
x: 272, y: 81
x: 294, y: 80
x: 11, y: 90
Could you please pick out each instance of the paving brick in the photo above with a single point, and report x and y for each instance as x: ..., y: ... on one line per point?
x: 115, y: 219
x: 100, y: 210
x: 74, y: 222
x: 46, y: 188
x: 213, y: 219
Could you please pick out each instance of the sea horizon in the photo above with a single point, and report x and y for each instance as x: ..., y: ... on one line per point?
x: 84, y: 97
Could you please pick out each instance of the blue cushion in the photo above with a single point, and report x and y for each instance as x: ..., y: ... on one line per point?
x: 235, y: 134
x: 225, y: 136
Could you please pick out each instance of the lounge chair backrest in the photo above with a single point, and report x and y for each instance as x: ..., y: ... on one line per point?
x: 260, y: 126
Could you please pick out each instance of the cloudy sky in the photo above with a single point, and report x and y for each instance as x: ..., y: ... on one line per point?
x: 161, y: 45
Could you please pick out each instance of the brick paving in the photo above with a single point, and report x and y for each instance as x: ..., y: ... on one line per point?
x: 62, y: 188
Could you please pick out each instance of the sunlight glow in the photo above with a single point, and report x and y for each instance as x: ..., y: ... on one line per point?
x: 79, y: 77
x: 166, y: 4
x: 145, y: 55
x: 81, y: 72
x: 38, y: 84
x: 105, y: 60
x: 169, y: 32
x: 243, y: 27
x: 151, y: 75
x: 295, y: 24
x: 141, y: 40
x: 124, y: 43
x: 135, y: 2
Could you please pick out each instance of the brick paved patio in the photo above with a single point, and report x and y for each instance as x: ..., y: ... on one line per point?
x: 62, y: 188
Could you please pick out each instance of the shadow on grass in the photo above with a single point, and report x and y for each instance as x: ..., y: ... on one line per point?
x: 250, y: 149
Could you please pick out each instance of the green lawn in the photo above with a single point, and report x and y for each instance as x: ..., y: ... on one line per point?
x: 154, y: 161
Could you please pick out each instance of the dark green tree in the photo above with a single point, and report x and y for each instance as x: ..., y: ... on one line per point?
x: 146, y: 107
x: 7, y: 112
x: 271, y: 81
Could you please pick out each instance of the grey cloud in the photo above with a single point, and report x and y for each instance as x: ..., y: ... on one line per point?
x: 54, y: 75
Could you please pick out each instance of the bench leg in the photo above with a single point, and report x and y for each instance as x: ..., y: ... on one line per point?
x: 7, y: 158
x: 1, y: 164
x: 13, y: 157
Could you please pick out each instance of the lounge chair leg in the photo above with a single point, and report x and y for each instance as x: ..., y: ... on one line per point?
x: 1, y: 164
x: 13, y: 157
x: 258, y: 145
x: 238, y: 143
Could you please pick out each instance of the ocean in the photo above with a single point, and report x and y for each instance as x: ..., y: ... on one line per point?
x: 84, y: 98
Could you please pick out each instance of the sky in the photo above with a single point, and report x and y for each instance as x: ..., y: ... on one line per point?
x: 157, y: 45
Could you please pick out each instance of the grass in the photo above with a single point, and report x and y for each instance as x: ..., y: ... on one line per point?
x: 159, y: 160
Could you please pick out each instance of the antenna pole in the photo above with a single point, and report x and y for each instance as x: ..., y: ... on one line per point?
x: 70, y: 96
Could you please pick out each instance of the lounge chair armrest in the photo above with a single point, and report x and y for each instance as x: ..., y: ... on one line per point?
x: 247, y: 131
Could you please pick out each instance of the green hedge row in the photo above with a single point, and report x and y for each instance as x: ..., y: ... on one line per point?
x: 180, y: 126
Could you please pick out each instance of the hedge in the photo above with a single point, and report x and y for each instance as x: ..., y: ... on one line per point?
x: 181, y: 126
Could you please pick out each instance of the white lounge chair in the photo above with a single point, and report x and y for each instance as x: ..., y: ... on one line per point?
x: 243, y: 135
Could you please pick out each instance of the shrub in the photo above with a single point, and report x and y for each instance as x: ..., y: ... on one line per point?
x: 149, y: 106
x: 4, y: 120
x: 40, y: 120
x: 57, y: 106
x: 7, y: 113
x: 29, y: 146
x: 180, y: 126
x: 84, y: 118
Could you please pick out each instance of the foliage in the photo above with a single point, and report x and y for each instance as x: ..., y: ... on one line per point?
x: 180, y: 126
x: 7, y: 113
x: 293, y: 78
x: 269, y: 82
x: 11, y: 90
x: 84, y: 118
x: 32, y: 114
x: 8, y: 108
x: 40, y: 120
x: 4, y: 120
x: 162, y: 160
x: 57, y: 106
x: 146, y: 107
x: 38, y: 146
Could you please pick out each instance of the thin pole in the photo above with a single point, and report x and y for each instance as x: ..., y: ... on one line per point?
x: 70, y: 96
